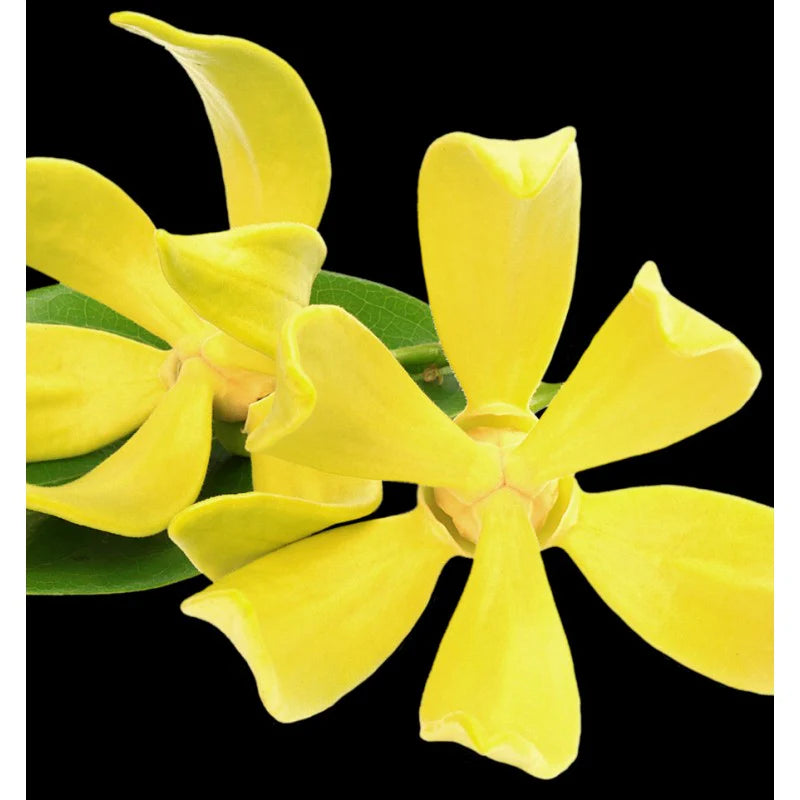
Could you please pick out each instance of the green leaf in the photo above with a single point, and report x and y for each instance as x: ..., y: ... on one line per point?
x: 395, y: 317
x: 64, y: 558
x: 60, y: 305
x: 227, y: 473
x: 68, y: 559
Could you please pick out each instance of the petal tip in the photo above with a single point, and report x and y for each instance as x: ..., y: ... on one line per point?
x: 649, y: 277
x: 508, y: 748
x: 144, y: 25
x: 523, y: 166
x: 686, y: 330
x: 233, y: 614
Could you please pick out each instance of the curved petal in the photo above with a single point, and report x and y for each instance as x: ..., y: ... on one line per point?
x: 291, y: 502
x: 498, y: 224
x: 689, y: 570
x: 86, y: 388
x: 158, y: 472
x: 316, y: 618
x: 84, y: 231
x: 276, y: 476
x: 268, y: 131
x: 503, y: 682
x: 655, y: 373
x: 247, y: 281
x: 257, y: 413
x: 344, y: 405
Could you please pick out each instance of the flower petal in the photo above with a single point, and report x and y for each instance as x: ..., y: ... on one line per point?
x: 689, y: 570
x: 498, y: 225
x: 86, y: 388
x: 247, y: 281
x: 655, y: 373
x: 316, y: 618
x: 226, y: 354
x: 138, y: 489
x: 503, y: 682
x: 291, y: 502
x: 84, y: 231
x: 268, y: 131
x: 344, y: 405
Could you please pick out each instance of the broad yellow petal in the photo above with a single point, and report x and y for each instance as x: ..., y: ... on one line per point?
x: 86, y: 388
x: 689, y: 570
x: 226, y: 354
x: 224, y: 533
x: 84, y: 231
x: 276, y: 476
x: 655, y: 373
x: 268, y: 131
x: 316, y: 618
x: 138, y: 489
x: 343, y: 404
x: 498, y: 224
x: 247, y: 281
x: 503, y: 682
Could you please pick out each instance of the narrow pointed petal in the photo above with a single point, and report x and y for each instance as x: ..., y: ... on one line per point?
x: 86, y: 388
x: 247, y: 281
x: 689, y: 570
x: 498, y: 225
x: 655, y: 373
x: 316, y: 618
x: 344, y: 405
x: 269, y: 133
x: 503, y: 682
x: 84, y: 231
x: 138, y: 489
x: 291, y: 502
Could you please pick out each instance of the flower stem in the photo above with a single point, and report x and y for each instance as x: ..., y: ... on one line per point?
x: 417, y: 357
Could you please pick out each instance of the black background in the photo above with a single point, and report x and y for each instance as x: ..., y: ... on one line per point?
x: 127, y: 694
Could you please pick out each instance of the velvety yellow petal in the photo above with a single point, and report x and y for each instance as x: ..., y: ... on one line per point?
x: 138, y: 489
x: 225, y: 353
x: 277, y: 476
x: 503, y: 682
x: 246, y: 281
x: 86, y: 232
x: 291, y: 502
x: 498, y: 224
x: 655, y: 373
x: 689, y: 570
x: 344, y: 405
x: 316, y: 618
x: 86, y: 388
x: 268, y: 131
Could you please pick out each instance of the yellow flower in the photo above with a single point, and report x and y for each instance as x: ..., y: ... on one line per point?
x: 218, y: 299
x: 687, y: 569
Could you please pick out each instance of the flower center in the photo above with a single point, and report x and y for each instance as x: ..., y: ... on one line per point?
x: 542, y: 501
x: 237, y: 384
x: 466, y: 519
